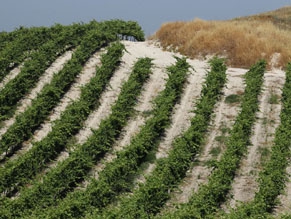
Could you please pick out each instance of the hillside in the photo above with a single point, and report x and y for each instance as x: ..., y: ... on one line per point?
x: 242, y: 41
x: 280, y: 17
x: 92, y: 126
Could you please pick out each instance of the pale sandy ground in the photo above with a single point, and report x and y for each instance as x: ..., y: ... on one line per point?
x: 182, y: 114
x: 225, y: 115
x: 268, y: 118
x: 107, y: 99
x: 151, y: 89
x: 12, y: 74
x: 72, y: 95
x: 44, y: 79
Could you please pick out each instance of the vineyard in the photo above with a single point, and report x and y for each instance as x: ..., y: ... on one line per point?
x: 97, y: 122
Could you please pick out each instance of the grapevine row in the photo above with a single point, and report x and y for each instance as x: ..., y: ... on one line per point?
x: 33, y: 68
x: 17, y: 45
x: 20, y: 171
x: 114, y: 179
x: 151, y: 196
x: 209, y: 196
x: 46, y: 54
x: 273, y: 177
x: 30, y: 120
x: 67, y: 174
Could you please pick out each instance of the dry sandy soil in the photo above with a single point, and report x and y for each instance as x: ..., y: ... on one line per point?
x: 244, y: 185
x: 56, y: 66
x: 268, y: 119
x: 44, y: 79
x: 224, y: 118
x: 10, y: 76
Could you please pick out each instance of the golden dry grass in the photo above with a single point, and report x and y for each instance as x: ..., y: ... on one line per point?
x: 282, y: 13
x: 241, y: 41
x: 280, y: 17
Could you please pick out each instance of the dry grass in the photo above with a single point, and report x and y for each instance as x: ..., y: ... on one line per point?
x: 280, y: 17
x: 241, y: 41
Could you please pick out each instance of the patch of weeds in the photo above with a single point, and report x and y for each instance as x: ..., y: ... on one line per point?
x: 135, y: 114
x: 221, y: 139
x: 253, y: 173
x: 151, y: 157
x: 273, y: 99
x: 225, y: 130
x: 71, y: 144
x: 142, y: 168
x: 265, y: 154
x: 147, y: 113
x: 195, y: 163
x: 216, y: 151
x: 265, y: 121
x: 212, y: 163
x: 213, y: 116
x: 1, y: 125
x: 232, y: 98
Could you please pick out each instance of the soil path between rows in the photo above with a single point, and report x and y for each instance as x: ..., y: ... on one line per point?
x: 151, y: 89
x: 12, y: 74
x: 245, y: 183
x: 44, y: 79
x: 223, y: 118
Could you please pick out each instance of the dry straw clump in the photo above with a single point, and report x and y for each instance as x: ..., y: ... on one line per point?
x: 242, y: 42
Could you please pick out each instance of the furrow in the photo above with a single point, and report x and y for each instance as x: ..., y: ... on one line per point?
x: 13, y: 73
x: 107, y: 100
x: 182, y: 114
x: 152, y: 88
x: 72, y: 95
x: 44, y: 79
x: 245, y: 183
x: 225, y: 114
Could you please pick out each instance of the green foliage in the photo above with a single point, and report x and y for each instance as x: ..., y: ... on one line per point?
x: 27, y: 122
x: 216, y: 151
x: 233, y: 98
x: 209, y: 197
x: 19, y: 44
x: 16, y: 173
x: 55, y: 197
x: 67, y: 174
x: 150, y: 197
x: 114, y: 179
x: 30, y: 120
x: 88, y: 38
x: 60, y: 38
x: 35, y: 66
x: 120, y: 27
x: 273, y: 177
x: 273, y: 99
